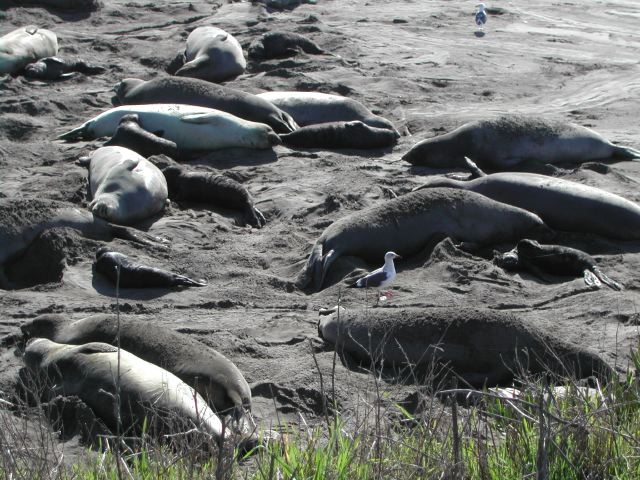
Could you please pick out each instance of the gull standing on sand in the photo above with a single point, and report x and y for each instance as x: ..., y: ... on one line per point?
x: 381, y: 277
x: 481, y: 16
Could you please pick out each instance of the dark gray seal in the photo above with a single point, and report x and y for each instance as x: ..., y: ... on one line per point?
x: 353, y: 134
x: 408, y: 223
x: 281, y: 44
x: 55, y: 68
x: 131, y: 135
x: 513, y: 141
x: 73, y: 5
x: 562, y: 204
x: 556, y: 260
x: 211, y: 188
x: 484, y: 347
x: 136, y: 275
x: 192, y: 91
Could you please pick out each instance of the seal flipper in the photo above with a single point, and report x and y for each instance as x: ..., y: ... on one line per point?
x: 591, y: 279
x: 606, y: 280
x: 625, y: 152
x: 76, y: 133
x: 312, y: 271
x: 476, y: 172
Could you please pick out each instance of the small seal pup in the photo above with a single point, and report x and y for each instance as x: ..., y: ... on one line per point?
x: 126, y: 188
x: 55, y: 68
x: 354, y: 134
x: 24, y: 46
x: 484, y: 347
x: 310, y: 108
x: 146, y: 390
x: 408, y: 223
x: 193, y: 91
x: 512, y: 141
x: 136, y: 275
x: 554, y: 259
x: 212, y: 374
x: 130, y: 134
x: 210, y: 188
x: 281, y: 44
x: 212, y: 54
x: 190, y: 127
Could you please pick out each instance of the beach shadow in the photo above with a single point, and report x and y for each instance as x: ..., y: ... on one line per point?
x: 479, y: 33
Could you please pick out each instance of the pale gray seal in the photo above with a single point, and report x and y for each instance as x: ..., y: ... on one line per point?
x: 26, y: 45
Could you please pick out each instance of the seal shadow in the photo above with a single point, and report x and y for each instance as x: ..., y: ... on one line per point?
x: 347, y: 152
x: 230, y: 157
x: 479, y: 33
x: 104, y: 287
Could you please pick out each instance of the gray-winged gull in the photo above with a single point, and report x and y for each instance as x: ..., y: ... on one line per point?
x: 481, y: 16
x: 381, y: 277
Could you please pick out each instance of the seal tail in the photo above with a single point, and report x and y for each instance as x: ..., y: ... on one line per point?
x: 625, y: 152
x: 187, y: 282
x: 75, y: 134
x: 606, y: 280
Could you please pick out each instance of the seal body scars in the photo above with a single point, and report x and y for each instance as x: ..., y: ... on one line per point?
x: 507, y: 141
x: 562, y: 204
x: 407, y: 223
x: 213, y: 55
x: 212, y: 374
x: 354, y: 134
x: 190, y: 127
x: 130, y: 134
x: 213, y: 189
x: 281, y: 44
x: 26, y: 45
x: 192, y: 91
x: 485, y: 347
x: 146, y: 390
x: 310, y: 108
x: 125, y: 187
x: 136, y: 275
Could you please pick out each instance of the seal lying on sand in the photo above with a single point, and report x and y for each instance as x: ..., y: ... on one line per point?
x: 406, y: 224
x: 146, y: 390
x: 21, y: 221
x: 75, y: 5
x: 190, y: 127
x: 484, y: 347
x: 213, y: 55
x: 310, y: 108
x: 355, y: 134
x: 192, y: 91
x: 562, y: 204
x: 126, y: 188
x: 26, y: 45
x: 54, y: 68
x: 207, y: 187
x: 554, y: 259
x: 136, y: 275
x: 130, y: 134
x: 212, y: 374
x: 509, y: 140
x: 281, y: 44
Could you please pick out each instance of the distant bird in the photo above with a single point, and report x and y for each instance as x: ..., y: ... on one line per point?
x: 481, y: 16
x: 381, y: 277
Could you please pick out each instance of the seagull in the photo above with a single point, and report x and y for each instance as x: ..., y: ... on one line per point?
x: 381, y: 277
x: 481, y: 16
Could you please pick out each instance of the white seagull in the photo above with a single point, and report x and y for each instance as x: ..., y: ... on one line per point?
x: 381, y: 277
x: 481, y: 16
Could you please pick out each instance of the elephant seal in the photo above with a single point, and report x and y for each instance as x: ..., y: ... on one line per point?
x: 130, y: 134
x: 192, y: 91
x: 562, y: 204
x: 213, y: 55
x: 22, y: 221
x: 281, y: 44
x: 146, y: 391
x: 190, y: 127
x: 212, y: 374
x: 74, y: 5
x: 55, y: 68
x: 211, y: 188
x: 507, y: 141
x: 408, y: 223
x: 354, y: 134
x: 26, y: 45
x: 557, y: 260
x: 126, y: 187
x: 136, y: 275
x: 484, y: 347
x: 310, y: 108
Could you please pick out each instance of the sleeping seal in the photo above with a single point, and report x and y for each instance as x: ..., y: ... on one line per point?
x: 353, y: 134
x: 146, y: 390
x: 212, y: 374
x: 126, y: 188
x: 557, y: 260
x: 281, y: 44
x: 213, y: 55
x: 509, y: 140
x: 26, y: 45
x: 192, y: 91
x: 55, y: 68
x: 484, y: 347
x: 406, y: 224
x: 190, y: 127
